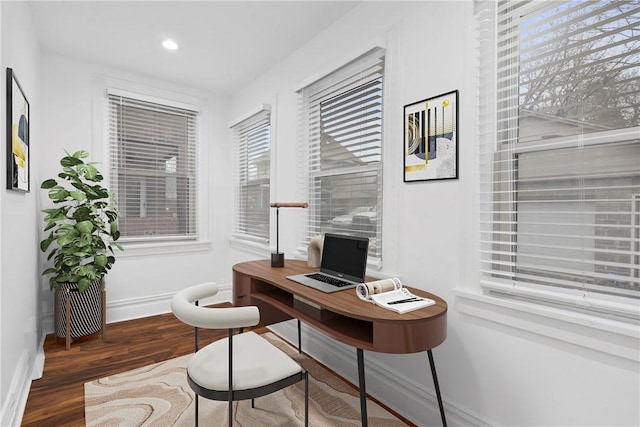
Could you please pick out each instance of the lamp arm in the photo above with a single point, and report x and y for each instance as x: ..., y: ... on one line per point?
x: 277, y: 259
x: 303, y: 205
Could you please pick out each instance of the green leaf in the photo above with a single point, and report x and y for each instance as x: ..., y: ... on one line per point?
x: 53, y: 219
x: 70, y: 161
x: 66, y: 228
x: 83, y: 213
x: 66, y: 239
x: 99, y: 244
x: 91, y: 172
x: 44, y: 245
x: 50, y: 270
x: 91, y: 194
x: 84, y: 241
x: 85, y: 227
x: 71, y: 262
x: 77, y: 195
x: 58, y: 193
x: 83, y: 284
x: 68, y: 174
x: 101, y: 260
x: 81, y: 154
x: 49, y: 183
x: 79, y: 185
x: 112, y: 215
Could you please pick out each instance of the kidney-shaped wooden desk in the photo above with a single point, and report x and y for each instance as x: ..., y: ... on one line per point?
x: 341, y: 315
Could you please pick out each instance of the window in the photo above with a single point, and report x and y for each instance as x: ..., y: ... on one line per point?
x: 560, y: 152
x: 253, y: 143
x: 340, y: 120
x: 153, y: 167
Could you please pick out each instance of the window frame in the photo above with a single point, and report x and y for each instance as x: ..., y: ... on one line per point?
x: 310, y: 174
x: 607, y: 324
x: 240, y: 127
x: 101, y: 84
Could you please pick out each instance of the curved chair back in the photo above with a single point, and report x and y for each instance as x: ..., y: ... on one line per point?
x: 184, y: 309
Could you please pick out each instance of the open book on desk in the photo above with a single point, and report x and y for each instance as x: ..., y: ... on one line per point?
x: 390, y: 294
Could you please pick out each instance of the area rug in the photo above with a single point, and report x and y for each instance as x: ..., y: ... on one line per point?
x: 158, y: 395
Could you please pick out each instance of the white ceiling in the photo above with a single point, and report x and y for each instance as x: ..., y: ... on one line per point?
x: 223, y: 44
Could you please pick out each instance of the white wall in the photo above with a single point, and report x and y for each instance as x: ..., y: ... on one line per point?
x: 490, y: 374
x: 19, y: 304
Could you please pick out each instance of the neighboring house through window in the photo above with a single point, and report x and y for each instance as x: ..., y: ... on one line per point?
x: 153, y: 152
x: 340, y: 157
x: 252, y: 137
x: 560, y: 157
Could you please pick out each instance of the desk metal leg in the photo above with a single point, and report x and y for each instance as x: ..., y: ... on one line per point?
x: 299, y: 338
x: 437, y: 387
x: 363, y: 389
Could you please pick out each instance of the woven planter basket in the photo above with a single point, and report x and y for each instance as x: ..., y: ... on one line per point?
x: 86, y: 310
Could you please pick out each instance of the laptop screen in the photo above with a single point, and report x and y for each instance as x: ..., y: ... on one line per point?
x: 345, y: 256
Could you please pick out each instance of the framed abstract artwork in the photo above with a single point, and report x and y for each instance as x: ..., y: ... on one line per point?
x: 18, y: 165
x: 431, y: 138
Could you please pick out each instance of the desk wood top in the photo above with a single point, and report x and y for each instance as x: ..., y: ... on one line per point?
x: 344, y: 302
x: 371, y: 327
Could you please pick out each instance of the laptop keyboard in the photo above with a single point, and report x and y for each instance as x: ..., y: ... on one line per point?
x: 330, y: 280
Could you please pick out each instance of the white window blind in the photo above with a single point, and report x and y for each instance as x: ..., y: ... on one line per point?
x: 153, y: 151
x: 559, y: 91
x: 340, y: 158
x: 253, y: 143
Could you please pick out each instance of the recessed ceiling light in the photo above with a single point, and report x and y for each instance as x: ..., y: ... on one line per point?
x: 170, y: 44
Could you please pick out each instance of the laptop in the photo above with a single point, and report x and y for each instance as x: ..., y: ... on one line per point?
x: 343, y: 264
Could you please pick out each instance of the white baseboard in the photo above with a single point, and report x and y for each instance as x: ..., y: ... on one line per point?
x: 136, y: 308
x: 414, y: 401
x: 16, y: 397
x: 38, y: 363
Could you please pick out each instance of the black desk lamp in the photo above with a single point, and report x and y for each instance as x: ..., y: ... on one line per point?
x: 277, y: 258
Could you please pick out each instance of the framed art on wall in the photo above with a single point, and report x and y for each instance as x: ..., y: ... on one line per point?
x: 18, y: 167
x: 431, y: 138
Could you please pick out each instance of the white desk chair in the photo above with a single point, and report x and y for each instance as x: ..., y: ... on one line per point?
x: 228, y: 369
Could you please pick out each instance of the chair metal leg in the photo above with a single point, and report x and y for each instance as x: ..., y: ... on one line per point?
x: 299, y: 338
x: 306, y: 399
x: 195, y: 337
x: 196, y: 410
x: 253, y: 403
x: 230, y: 388
x: 363, y: 390
x: 437, y: 387
x: 196, y: 345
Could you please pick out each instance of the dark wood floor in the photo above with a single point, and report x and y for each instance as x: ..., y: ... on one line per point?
x: 57, y: 399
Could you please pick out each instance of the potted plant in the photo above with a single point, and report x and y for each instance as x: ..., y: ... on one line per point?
x: 83, y: 231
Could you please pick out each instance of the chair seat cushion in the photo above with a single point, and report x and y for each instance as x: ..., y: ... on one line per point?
x: 256, y: 363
